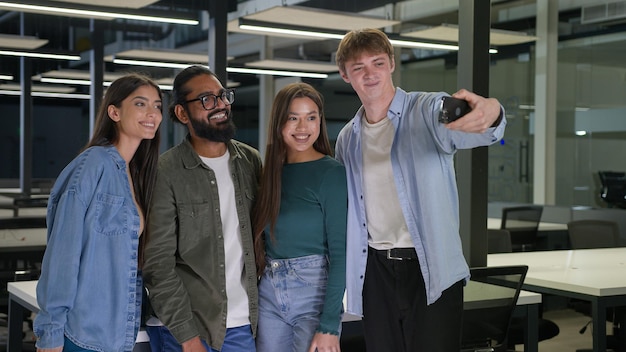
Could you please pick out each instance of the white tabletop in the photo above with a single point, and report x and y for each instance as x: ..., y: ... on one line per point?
x: 495, y: 223
x: 596, y: 272
x: 27, y: 291
x: 22, y: 237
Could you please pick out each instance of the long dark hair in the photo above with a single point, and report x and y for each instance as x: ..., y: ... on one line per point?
x: 143, y: 165
x: 268, y: 200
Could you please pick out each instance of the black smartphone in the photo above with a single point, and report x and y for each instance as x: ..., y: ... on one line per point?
x: 452, y: 109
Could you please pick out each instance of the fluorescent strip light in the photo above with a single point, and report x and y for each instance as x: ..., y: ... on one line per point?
x: 94, y: 14
x: 276, y: 72
x: 81, y: 82
x: 150, y: 63
x: 88, y: 82
x: 47, y: 94
x: 255, y: 26
x: 422, y: 45
x: 294, y: 65
x: 407, y: 43
x: 301, y: 33
x: 6, y: 77
x: 39, y: 55
x: 228, y: 69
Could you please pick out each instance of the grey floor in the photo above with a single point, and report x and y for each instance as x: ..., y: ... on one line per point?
x: 569, y: 338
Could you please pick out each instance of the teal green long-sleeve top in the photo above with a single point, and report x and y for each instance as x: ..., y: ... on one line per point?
x: 312, y: 220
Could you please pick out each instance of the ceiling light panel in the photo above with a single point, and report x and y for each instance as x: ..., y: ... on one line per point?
x: 83, y: 10
x: 39, y: 88
x: 162, y: 55
x: 131, y: 4
x: 21, y: 42
x: 319, y: 18
x: 450, y: 33
x: 75, y: 74
x: 295, y: 65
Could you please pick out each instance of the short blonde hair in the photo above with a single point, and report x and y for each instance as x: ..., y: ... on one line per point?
x: 358, y: 41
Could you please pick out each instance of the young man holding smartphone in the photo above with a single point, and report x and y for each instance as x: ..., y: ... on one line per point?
x: 405, y: 265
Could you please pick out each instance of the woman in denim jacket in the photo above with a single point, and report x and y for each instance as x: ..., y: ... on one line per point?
x: 89, y: 292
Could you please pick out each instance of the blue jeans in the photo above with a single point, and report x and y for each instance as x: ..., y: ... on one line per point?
x: 291, y: 299
x: 237, y: 339
x: 69, y: 346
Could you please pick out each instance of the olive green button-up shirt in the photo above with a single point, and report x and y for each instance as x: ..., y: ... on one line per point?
x: 184, y: 253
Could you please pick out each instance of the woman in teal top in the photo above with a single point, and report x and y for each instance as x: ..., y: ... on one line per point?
x: 300, y: 229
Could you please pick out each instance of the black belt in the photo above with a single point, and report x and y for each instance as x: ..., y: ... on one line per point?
x: 398, y: 253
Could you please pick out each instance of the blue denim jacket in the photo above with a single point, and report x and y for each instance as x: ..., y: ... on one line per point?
x: 89, y: 289
x: 422, y: 159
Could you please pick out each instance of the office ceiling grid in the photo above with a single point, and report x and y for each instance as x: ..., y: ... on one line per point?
x: 72, y: 34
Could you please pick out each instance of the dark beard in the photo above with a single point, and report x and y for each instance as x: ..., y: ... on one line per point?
x: 224, y: 132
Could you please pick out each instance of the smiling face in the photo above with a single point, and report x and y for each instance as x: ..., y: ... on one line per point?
x: 301, y: 130
x: 215, y: 124
x: 370, y: 76
x: 139, y: 115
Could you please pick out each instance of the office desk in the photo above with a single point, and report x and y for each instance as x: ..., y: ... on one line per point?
x: 594, y: 275
x: 23, y: 295
x: 527, y: 307
x: 495, y: 223
x: 22, y: 245
x: 550, y: 235
x: 11, y: 239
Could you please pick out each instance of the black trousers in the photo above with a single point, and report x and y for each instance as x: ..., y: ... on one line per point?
x: 395, y: 315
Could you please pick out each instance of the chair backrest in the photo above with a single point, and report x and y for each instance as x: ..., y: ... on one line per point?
x: 613, y: 188
x: 490, y: 299
x: 23, y: 222
x: 593, y: 234
x: 498, y: 241
x: 522, y: 222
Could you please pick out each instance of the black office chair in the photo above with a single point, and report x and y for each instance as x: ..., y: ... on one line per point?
x: 499, y: 241
x: 592, y: 233
x: 490, y: 299
x: 522, y: 223
x: 584, y: 234
x: 613, y: 188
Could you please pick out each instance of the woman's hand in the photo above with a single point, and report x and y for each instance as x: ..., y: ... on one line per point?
x: 56, y: 349
x: 193, y: 345
x: 325, y: 343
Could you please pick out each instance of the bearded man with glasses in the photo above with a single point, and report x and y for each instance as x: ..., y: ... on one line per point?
x: 199, y: 265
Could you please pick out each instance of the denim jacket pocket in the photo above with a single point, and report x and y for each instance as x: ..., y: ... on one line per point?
x: 111, y: 215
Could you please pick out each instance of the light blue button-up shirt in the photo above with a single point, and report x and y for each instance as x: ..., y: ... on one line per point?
x: 422, y: 159
x: 89, y: 289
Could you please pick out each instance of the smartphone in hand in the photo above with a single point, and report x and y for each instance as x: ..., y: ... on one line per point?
x: 452, y: 109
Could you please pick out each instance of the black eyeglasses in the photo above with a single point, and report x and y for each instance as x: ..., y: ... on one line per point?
x: 209, y: 101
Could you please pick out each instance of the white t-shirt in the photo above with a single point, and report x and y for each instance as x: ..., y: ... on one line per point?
x: 385, y: 222
x: 238, y: 312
